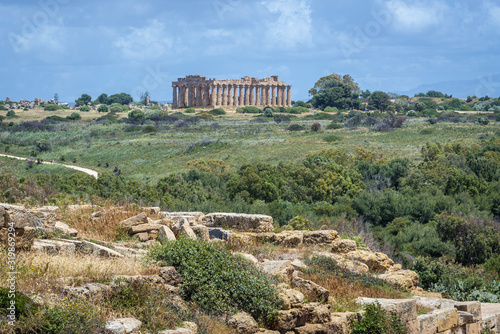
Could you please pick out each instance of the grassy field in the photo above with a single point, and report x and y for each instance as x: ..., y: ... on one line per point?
x: 233, y: 138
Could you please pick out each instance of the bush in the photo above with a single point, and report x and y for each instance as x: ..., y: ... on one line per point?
x: 248, y: 110
x: 42, y: 145
x: 50, y: 107
x: 334, y: 126
x: 296, y: 127
x: 217, y: 281
x: 296, y: 110
x: 84, y: 108
x: 206, y: 116
x: 331, y: 109
x: 332, y: 139
x: 268, y: 112
x: 189, y: 111
x: 315, y: 126
x: 102, y: 108
x: 74, y: 116
x: 24, y: 305
x: 149, y: 129
x: 11, y: 113
x: 376, y: 321
x: 136, y: 115
x: 217, y: 112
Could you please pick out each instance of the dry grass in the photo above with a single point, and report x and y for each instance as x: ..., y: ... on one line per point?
x: 38, y: 272
x: 104, y: 228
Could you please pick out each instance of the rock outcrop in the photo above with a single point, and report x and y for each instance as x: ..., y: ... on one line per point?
x: 239, y: 221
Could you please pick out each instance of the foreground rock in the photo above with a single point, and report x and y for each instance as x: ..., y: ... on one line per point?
x: 239, y: 221
x: 124, y: 326
x: 243, y: 323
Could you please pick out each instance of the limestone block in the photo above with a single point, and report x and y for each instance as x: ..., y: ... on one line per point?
x: 170, y: 276
x: 100, y: 250
x: 249, y: 257
x: 152, y: 210
x: 378, y: 262
x: 144, y: 228
x: 134, y: 221
x: 142, y: 237
x: 24, y: 238
x: 312, y: 291
x: 406, y: 279
x: 405, y: 309
x: 428, y: 323
x: 44, y: 217
x: 290, y: 319
x: 239, y: 221
x: 240, y: 240
x: 177, y: 331
x: 64, y: 228
x: 277, y: 267
x: 165, y: 221
x: 243, y: 323
x: 446, y: 318
x: 73, y: 208
x: 343, y: 246
x: 201, y: 232
x: 320, y: 237
x: 182, y: 228
x: 473, y: 308
x: 465, y: 318
x: 94, y: 291
x: 312, y: 329
x: 166, y: 234
x: 124, y: 326
x: 294, y: 297
x: 318, y: 313
x: 339, y: 325
x: 14, y: 214
x: 41, y: 246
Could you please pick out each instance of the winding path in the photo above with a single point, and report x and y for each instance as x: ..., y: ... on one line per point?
x: 81, y: 169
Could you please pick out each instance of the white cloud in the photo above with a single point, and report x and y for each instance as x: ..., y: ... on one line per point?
x: 41, y: 38
x: 293, y: 27
x: 148, y: 42
x: 494, y: 13
x: 415, y: 16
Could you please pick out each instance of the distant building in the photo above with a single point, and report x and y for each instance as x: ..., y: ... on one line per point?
x: 198, y: 91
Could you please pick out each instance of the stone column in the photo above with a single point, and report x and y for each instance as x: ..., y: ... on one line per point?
x: 279, y: 99
x: 174, y: 97
x: 207, y: 96
x: 252, y: 95
x: 235, y: 95
x: 283, y: 96
x: 185, y: 96
x: 257, y: 99
x: 230, y: 95
x: 241, y: 98
x: 198, y: 96
x: 247, y: 95
x: 212, y: 90
x: 273, y: 96
x: 265, y: 95
x: 289, y: 96
x: 219, y: 95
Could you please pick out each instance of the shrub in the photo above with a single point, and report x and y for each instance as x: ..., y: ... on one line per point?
x: 217, y: 112
x: 411, y: 113
x: 296, y: 127
x: 248, y: 110
x: 189, y: 111
x: 102, y: 108
x: 74, y: 116
x: 136, y: 115
x: 296, y: 110
x: 332, y: 139
x: 24, y: 305
x: 42, y: 145
x: 217, y: 281
x: 11, y: 113
x: 206, y: 116
x: 50, y: 107
x: 149, y: 129
x: 84, y: 108
x: 334, y: 126
x: 331, y: 109
x: 376, y: 321
x: 268, y: 112
x: 315, y: 126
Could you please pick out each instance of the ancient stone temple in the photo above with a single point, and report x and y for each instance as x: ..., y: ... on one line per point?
x: 198, y: 91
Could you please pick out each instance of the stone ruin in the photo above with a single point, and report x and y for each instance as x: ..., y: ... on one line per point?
x: 198, y: 91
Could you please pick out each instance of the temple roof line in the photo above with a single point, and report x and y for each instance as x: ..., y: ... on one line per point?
x: 201, y: 80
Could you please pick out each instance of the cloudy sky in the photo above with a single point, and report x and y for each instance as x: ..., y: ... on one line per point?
x: 72, y: 47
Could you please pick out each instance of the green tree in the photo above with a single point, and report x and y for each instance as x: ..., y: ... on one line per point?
x: 346, y: 79
x: 74, y: 116
x: 84, y: 108
x: 56, y: 97
x: 82, y: 100
x: 122, y: 98
x: 102, y: 108
x: 136, y: 115
x: 103, y: 98
x: 380, y: 100
x: 144, y: 97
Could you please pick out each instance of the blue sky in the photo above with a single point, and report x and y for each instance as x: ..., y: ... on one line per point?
x: 73, y: 47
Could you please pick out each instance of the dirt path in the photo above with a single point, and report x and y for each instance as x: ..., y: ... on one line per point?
x: 81, y: 169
